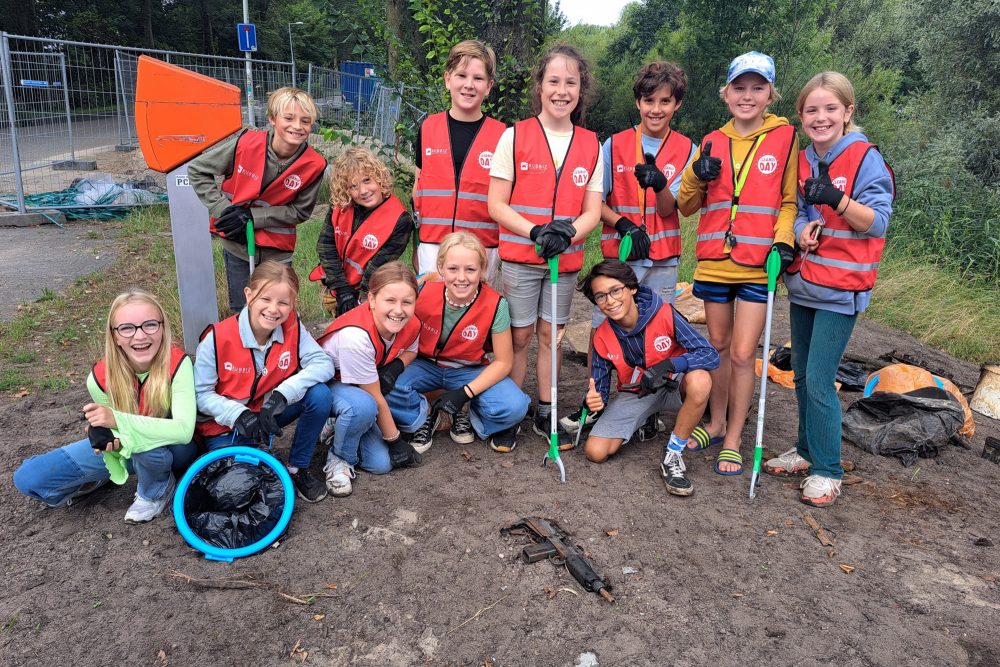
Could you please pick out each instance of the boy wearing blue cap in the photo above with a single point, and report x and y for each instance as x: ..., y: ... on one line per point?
x: 743, y: 180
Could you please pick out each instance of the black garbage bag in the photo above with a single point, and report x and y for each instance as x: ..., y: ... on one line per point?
x: 781, y: 358
x: 911, y: 425
x: 230, y: 504
x: 852, y: 376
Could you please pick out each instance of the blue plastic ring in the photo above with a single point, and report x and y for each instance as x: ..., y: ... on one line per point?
x: 245, y: 455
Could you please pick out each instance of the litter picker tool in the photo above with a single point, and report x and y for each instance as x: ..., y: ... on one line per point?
x: 583, y: 420
x: 553, y: 452
x: 773, y: 268
x: 251, y: 246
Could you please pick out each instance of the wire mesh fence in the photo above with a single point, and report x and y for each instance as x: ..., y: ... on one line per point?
x: 67, y: 126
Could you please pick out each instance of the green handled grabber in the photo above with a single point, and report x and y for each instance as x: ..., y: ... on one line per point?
x: 251, y: 246
x: 773, y: 269
x: 625, y: 248
x: 553, y: 452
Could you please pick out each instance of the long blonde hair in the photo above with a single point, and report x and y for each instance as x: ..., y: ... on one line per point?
x: 120, y: 376
x: 840, y: 86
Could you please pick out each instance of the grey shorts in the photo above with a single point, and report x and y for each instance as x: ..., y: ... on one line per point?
x: 529, y: 293
x: 626, y: 412
x: 661, y: 279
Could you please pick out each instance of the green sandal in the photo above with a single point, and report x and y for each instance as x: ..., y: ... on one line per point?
x: 729, y: 456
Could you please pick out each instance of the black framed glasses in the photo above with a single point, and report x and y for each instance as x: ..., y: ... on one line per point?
x: 127, y: 330
x: 615, y: 293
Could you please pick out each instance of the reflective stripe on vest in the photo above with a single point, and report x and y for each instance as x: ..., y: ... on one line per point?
x: 658, y: 344
x: 623, y: 198
x: 357, y: 248
x: 540, y: 197
x: 759, y: 202
x: 439, y: 208
x: 246, y: 184
x: 470, y: 340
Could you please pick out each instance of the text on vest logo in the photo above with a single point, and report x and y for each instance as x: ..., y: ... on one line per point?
x: 622, y: 168
x: 486, y: 159
x: 766, y: 164
x: 285, y: 360
x: 662, y: 343
x: 232, y: 368
x: 840, y: 183
x: 243, y: 171
x: 534, y: 166
x: 369, y: 242
x: 293, y: 182
x: 435, y: 151
x: 470, y: 332
x: 580, y: 177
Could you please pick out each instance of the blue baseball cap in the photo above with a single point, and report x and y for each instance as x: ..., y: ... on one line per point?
x: 753, y: 61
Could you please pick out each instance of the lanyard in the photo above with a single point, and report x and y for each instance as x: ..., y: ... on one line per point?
x: 741, y: 179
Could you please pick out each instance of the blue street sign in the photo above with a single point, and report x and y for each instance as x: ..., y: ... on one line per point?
x: 246, y: 35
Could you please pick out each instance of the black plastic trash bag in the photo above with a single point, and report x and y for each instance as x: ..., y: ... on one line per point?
x: 781, y: 358
x: 915, y: 424
x: 852, y: 376
x: 231, y: 505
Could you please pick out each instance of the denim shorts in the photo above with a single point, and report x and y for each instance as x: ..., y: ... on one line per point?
x: 727, y: 292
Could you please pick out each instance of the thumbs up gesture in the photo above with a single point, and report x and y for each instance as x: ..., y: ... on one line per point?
x: 706, y: 167
x: 593, y: 400
x: 649, y: 175
x: 820, y: 190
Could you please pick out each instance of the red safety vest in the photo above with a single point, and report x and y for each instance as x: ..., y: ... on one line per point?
x: 540, y: 197
x: 239, y: 378
x: 757, y: 206
x: 658, y: 342
x: 246, y: 185
x: 664, y: 232
x: 356, y: 249
x: 845, y: 259
x: 471, y: 338
x: 101, y: 369
x: 441, y: 209
x: 361, y: 317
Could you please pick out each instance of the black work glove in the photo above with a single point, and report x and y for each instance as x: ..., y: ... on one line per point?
x: 649, y: 175
x: 821, y: 190
x: 232, y: 224
x: 658, y: 377
x: 563, y: 227
x: 640, y: 238
x: 388, y: 374
x: 706, y: 167
x: 787, y: 254
x: 451, y: 402
x: 100, y: 436
x: 347, y: 299
x: 248, y: 425
x: 403, y: 455
x: 551, y: 243
x: 273, y: 406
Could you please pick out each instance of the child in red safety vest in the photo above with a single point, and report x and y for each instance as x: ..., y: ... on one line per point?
x: 366, y: 227
x: 655, y: 353
x: 453, y: 152
x: 258, y: 371
x: 545, y: 192
x: 370, y: 346
x: 271, y: 178
x: 743, y: 181
x: 642, y: 176
x: 141, y: 418
x: 465, y: 349
x: 845, y: 204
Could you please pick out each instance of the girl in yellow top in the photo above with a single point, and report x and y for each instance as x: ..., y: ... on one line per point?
x: 743, y: 181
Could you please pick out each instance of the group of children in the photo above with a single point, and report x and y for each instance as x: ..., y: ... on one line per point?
x: 493, y: 205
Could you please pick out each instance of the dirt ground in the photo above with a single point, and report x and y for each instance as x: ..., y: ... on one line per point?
x: 412, y: 569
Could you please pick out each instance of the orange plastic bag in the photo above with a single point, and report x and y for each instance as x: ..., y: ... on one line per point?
x: 901, y: 378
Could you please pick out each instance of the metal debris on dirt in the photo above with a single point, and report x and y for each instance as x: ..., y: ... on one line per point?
x: 818, y: 530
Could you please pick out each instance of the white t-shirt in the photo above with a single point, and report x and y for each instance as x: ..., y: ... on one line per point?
x: 354, y: 355
x: 503, y: 157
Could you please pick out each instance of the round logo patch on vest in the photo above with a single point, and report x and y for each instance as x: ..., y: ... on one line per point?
x: 840, y: 183
x: 470, y: 332
x: 580, y: 177
x: 369, y: 242
x: 662, y: 343
x: 293, y: 182
x: 766, y: 164
x: 285, y: 360
x: 486, y: 159
x: 669, y: 170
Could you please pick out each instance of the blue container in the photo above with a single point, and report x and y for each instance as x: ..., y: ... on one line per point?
x: 357, y: 82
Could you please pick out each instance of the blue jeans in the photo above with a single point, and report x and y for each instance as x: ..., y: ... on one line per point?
x: 311, y: 412
x: 819, y: 338
x: 357, y: 438
x: 55, y: 476
x: 501, y: 406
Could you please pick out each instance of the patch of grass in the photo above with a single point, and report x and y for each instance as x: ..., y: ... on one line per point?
x: 23, y: 357
x: 12, y: 379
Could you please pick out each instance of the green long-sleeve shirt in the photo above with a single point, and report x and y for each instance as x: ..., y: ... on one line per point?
x: 138, y: 433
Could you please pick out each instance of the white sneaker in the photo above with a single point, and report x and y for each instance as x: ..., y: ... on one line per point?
x: 820, y: 491
x: 339, y: 474
x: 143, y: 510
x: 789, y: 463
x: 326, y: 435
